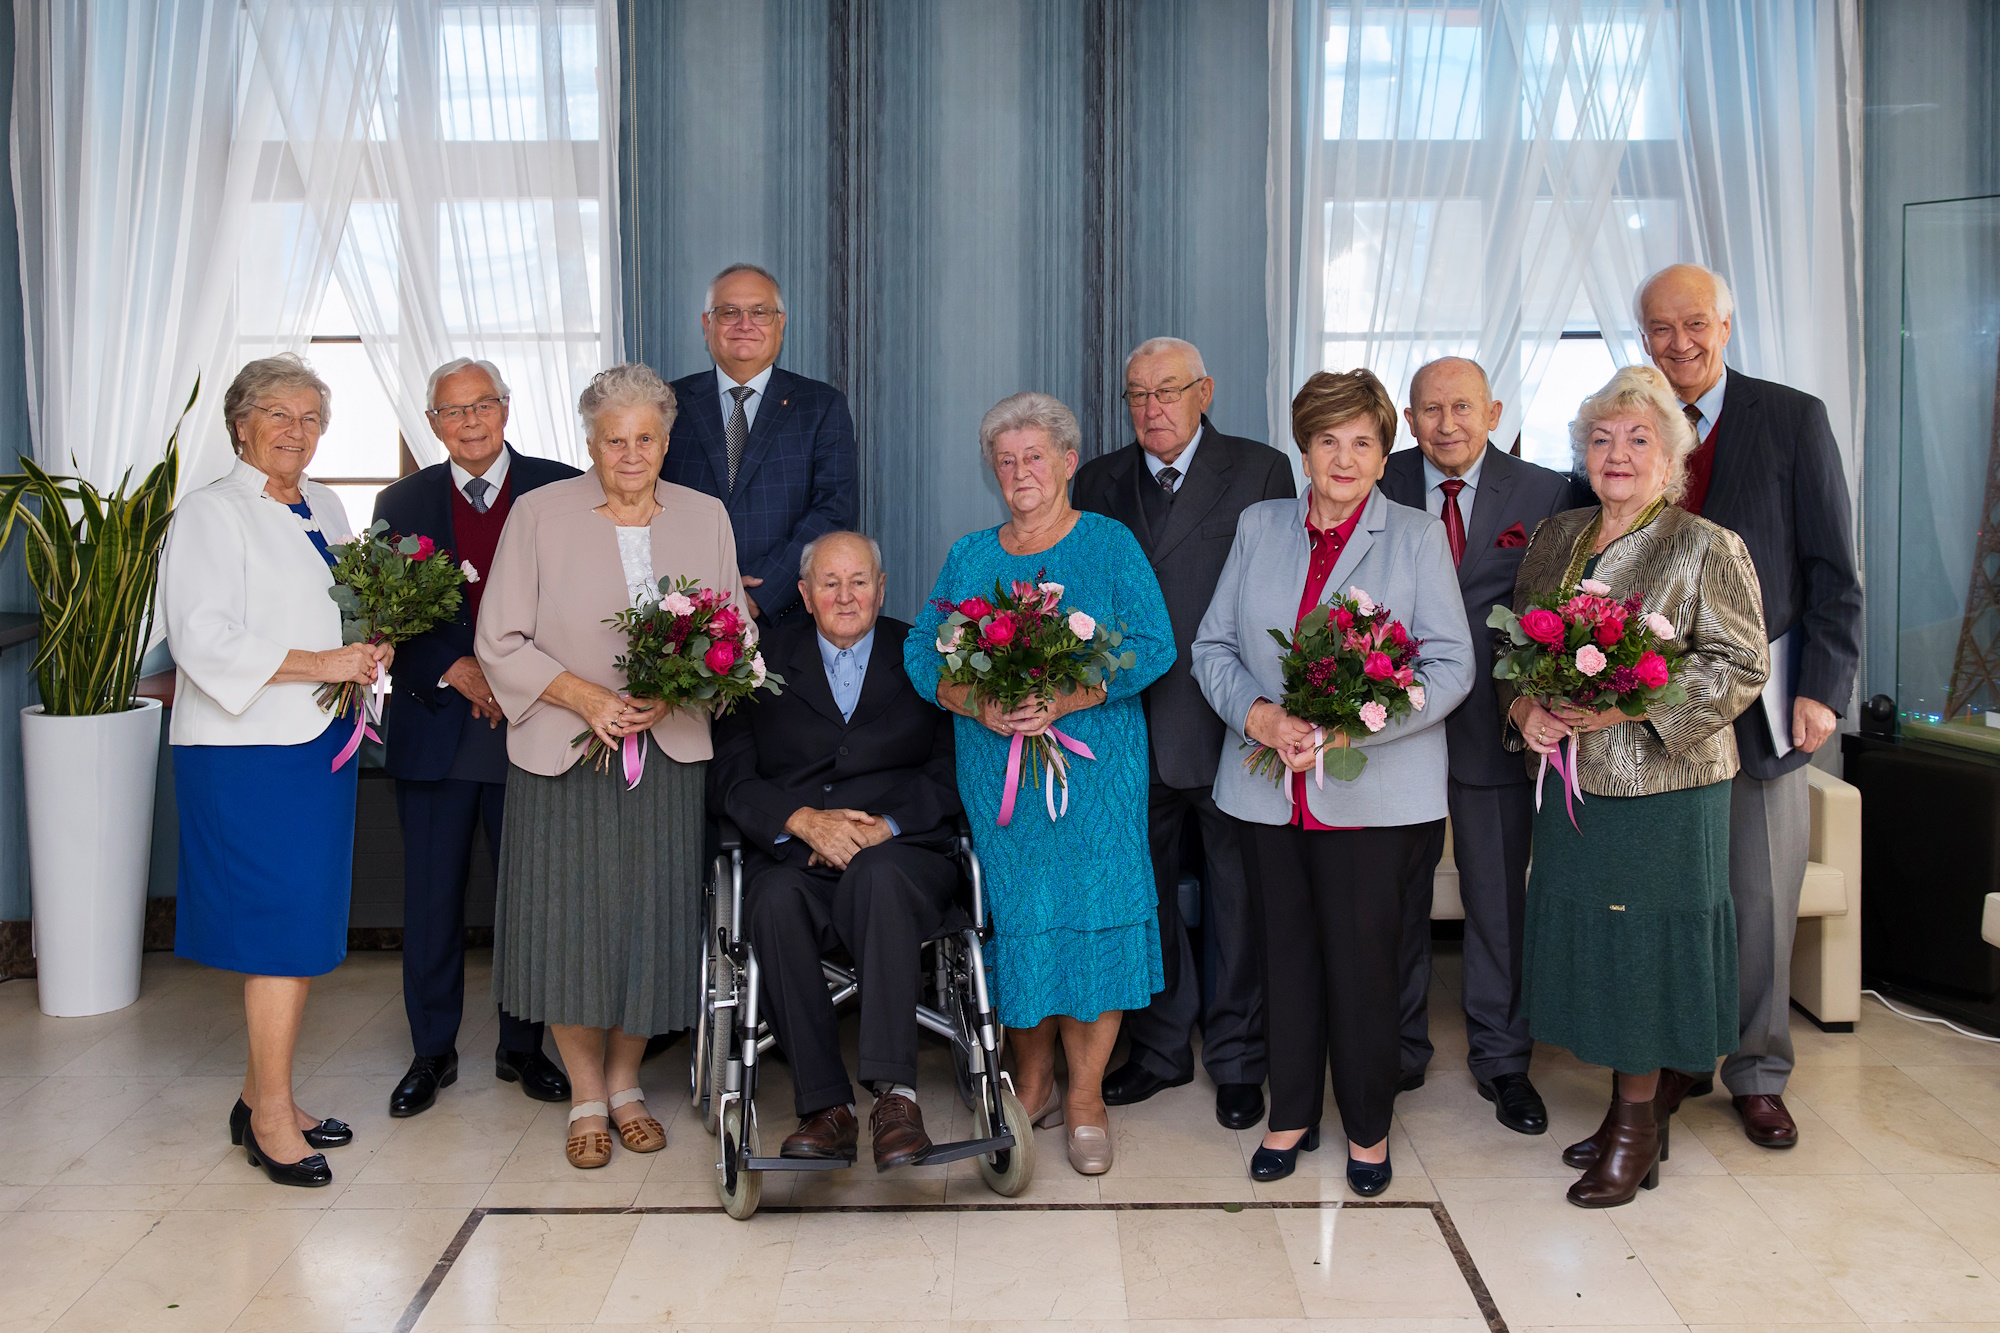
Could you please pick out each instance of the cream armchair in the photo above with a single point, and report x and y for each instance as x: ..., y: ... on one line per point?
x: 1826, y: 956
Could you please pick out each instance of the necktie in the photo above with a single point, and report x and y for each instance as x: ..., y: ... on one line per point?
x: 1169, y: 476
x: 1693, y: 414
x: 738, y: 432
x: 1454, y: 521
x: 475, y: 494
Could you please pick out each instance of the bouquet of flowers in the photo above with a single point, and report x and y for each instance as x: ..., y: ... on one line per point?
x: 1349, y: 667
x: 1587, y: 650
x: 388, y: 589
x: 1019, y: 644
x: 689, y: 648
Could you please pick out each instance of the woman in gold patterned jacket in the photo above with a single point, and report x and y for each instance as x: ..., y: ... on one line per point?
x: 1630, y: 956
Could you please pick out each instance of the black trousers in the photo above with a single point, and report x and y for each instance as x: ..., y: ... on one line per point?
x: 891, y: 898
x: 1330, y: 912
x: 1493, y: 830
x: 1232, y: 1020
x: 438, y: 819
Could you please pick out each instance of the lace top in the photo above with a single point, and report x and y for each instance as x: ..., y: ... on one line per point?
x: 635, y: 550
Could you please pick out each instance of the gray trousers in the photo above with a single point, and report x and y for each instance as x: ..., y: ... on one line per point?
x: 1492, y: 833
x: 1232, y: 1023
x: 1769, y: 833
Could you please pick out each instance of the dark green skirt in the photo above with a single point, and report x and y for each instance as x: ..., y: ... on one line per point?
x: 1630, y: 952
x: 598, y: 919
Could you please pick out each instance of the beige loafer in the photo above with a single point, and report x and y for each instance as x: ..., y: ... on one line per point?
x: 1089, y: 1150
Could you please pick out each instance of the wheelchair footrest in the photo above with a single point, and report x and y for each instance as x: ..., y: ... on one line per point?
x: 958, y: 1152
x: 796, y: 1164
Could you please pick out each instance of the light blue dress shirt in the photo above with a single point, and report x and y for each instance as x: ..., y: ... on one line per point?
x: 1710, y: 407
x: 756, y: 383
x: 1182, y: 461
x: 1434, y: 494
x: 846, y: 668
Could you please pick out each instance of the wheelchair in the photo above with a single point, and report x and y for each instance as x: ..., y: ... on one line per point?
x: 730, y: 1037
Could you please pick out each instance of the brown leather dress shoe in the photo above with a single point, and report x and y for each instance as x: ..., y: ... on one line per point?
x: 1766, y: 1121
x: 824, y: 1136
x: 897, y: 1128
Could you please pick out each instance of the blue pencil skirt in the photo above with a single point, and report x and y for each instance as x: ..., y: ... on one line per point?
x: 267, y: 855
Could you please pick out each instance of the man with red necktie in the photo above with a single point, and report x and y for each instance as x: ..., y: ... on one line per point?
x: 1490, y: 503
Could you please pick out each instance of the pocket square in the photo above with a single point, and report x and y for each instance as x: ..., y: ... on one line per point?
x: 1513, y: 536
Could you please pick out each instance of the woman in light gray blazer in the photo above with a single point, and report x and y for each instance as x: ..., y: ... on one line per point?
x: 1327, y: 862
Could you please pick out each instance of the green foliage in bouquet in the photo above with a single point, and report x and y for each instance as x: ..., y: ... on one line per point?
x: 392, y: 589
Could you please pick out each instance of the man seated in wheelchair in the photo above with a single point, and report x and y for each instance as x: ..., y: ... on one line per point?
x: 845, y: 792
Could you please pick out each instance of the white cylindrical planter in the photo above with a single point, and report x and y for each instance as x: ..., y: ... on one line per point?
x: 89, y: 786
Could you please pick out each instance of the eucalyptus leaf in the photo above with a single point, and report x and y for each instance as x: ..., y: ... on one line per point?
x: 1345, y: 763
x: 1126, y: 661
x: 409, y: 546
x: 980, y: 662
x: 1499, y: 617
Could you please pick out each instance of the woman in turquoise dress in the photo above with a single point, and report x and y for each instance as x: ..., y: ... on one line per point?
x: 1075, y: 913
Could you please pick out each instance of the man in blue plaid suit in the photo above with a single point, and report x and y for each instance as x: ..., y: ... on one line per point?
x: 776, y: 448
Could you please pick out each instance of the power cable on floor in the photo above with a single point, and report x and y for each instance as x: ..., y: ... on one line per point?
x: 1926, y: 1018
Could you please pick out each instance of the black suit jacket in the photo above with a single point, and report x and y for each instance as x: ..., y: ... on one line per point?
x: 1228, y: 475
x: 424, y: 721
x: 799, y: 478
x: 1778, y: 484
x: 894, y: 758
x: 1511, y: 491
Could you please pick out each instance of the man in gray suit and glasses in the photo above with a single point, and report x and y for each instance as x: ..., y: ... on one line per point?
x: 1489, y: 502
x: 1179, y: 487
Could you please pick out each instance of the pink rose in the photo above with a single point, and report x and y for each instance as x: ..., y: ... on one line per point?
x: 1082, y: 626
x: 975, y: 608
x: 757, y: 671
x: 1544, y: 627
x: 1374, y: 716
x: 1589, y: 659
x: 424, y: 548
x: 1652, y: 670
x: 1377, y: 666
x: 1000, y: 630
x: 1398, y: 635
x: 1343, y: 618
x: 726, y: 622
x: 471, y: 574
x: 1660, y: 625
x: 1611, y: 629
x: 1416, y: 693
x: 721, y: 656
x: 1594, y: 587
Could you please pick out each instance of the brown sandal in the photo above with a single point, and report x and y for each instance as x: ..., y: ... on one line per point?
x: 644, y: 1134
x: 588, y: 1148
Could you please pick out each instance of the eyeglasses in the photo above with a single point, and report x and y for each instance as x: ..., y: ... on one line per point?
x: 451, y: 416
x: 1166, y: 397
x: 284, y: 421
x: 763, y: 316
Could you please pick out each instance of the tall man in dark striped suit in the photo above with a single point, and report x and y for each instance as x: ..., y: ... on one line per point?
x: 1767, y: 468
x: 446, y: 737
x: 776, y: 448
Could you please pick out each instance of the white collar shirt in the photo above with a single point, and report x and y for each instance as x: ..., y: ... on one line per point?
x: 494, y: 476
x: 1434, y: 488
x: 1182, y: 461
x: 756, y: 383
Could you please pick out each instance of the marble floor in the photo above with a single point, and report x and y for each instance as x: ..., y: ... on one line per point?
x: 122, y: 1206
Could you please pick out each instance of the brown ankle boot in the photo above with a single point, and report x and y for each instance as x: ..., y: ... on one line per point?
x: 1629, y: 1161
x: 1583, y: 1154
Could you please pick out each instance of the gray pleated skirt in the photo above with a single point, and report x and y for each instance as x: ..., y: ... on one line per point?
x: 597, y: 922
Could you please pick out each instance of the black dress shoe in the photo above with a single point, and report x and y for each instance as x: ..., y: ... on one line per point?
x: 1239, y: 1105
x: 309, y: 1172
x: 419, y: 1088
x: 1516, y: 1104
x: 1369, y: 1179
x: 326, y: 1134
x: 1131, y: 1083
x: 1268, y: 1164
x: 536, y: 1073
x: 1411, y: 1081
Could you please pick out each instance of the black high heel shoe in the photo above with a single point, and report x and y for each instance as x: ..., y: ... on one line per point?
x: 1369, y: 1179
x: 309, y: 1172
x: 1268, y: 1164
x: 326, y: 1134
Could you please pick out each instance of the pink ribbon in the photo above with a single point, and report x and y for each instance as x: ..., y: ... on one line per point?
x: 1056, y: 767
x: 1568, y: 774
x: 366, y: 707
x: 633, y: 751
x: 1319, y: 767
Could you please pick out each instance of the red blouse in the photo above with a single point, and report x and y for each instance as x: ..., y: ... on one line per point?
x: 1326, y: 549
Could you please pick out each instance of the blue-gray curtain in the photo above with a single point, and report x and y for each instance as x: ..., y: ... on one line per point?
x: 962, y: 200
x: 17, y: 683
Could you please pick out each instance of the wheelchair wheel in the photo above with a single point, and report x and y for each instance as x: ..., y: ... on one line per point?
x: 1006, y: 1173
x: 698, y: 1039
x: 965, y: 1051
x: 738, y: 1190
x: 719, y: 1021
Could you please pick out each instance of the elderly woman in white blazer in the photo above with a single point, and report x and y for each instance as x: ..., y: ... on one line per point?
x: 266, y: 820
x: 1326, y: 863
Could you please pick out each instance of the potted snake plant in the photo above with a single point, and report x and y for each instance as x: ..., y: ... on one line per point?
x: 90, y: 749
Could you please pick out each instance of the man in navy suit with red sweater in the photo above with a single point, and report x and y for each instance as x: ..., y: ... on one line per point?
x: 446, y: 738
x: 776, y: 448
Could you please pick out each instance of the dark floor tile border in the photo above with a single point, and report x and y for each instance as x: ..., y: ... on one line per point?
x: 1467, y: 1269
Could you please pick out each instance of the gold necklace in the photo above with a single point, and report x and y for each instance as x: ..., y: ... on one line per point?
x: 1579, y: 554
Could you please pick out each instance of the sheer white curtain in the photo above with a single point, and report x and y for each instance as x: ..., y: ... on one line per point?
x: 1485, y: 179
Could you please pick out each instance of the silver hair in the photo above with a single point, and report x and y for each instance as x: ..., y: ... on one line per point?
x: 1161, y: 346
x: 1485, y: 384
x: 1645, y: 389
x: 631, y: 384
x: 812, y: 549
x: 708, y: 300
x: 1725, y: 300
x: 457, y: 364
x: 287, y: 370
x: 1029, y: 410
